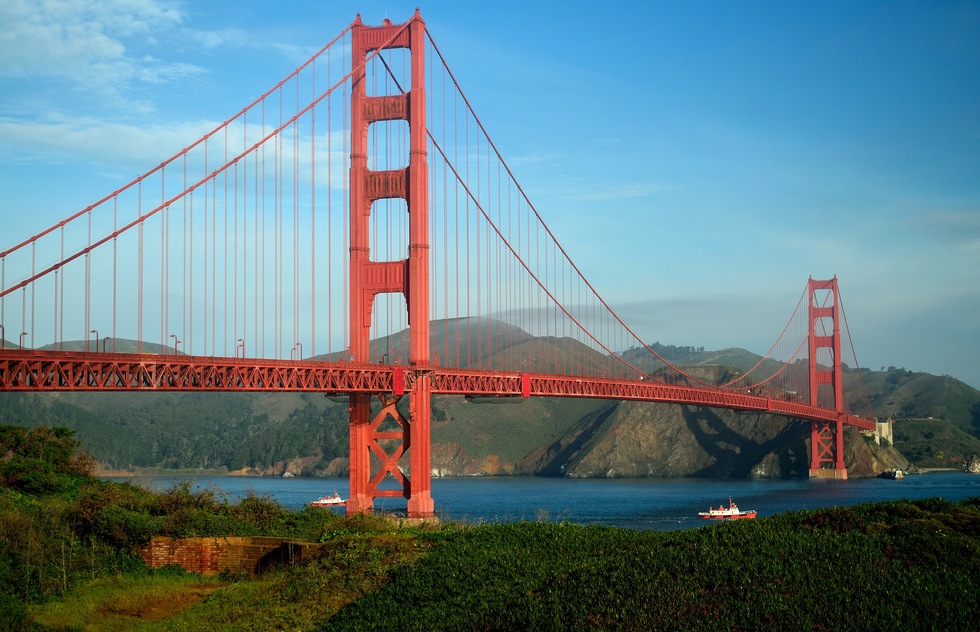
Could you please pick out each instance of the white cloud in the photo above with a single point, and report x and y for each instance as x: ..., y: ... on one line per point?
x: 623, y: 191
x: 532, y: 159
x: 220, y: 38
x: 95, y: 140
x: 86, y: 42
x: 949, y: 226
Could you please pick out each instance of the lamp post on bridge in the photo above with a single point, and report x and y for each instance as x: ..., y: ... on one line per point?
x: 176, y: 342
x: 104, y: 341
x: 96, y: 332
x: 298, y: 350
x: 240, y: 343
x: 23, y: 335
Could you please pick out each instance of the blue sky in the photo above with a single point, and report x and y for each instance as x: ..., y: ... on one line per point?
x: 698, y: 160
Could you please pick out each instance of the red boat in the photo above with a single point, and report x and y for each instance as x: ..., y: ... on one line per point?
x: 329, y: 501
x: 731, y: 512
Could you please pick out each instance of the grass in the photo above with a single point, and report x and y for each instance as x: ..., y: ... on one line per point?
x: 126, y: 602
x: 359, y: 555
x: 894, y: 565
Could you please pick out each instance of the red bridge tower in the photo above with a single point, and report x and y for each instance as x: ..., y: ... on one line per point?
x: 826, y: 385
x: 409, y: 276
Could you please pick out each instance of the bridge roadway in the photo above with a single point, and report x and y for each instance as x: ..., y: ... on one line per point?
x: 34, y: 370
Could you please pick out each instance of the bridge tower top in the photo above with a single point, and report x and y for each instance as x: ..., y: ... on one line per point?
x: 825, y: 344
x: 409, y: 276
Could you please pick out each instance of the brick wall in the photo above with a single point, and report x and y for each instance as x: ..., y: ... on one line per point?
x: 230, y: 554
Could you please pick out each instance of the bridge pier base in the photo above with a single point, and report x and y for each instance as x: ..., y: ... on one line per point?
x: 838, y: 474
x: 827, y: 450
x: 361, y: 500
x: 419, y: 491
x: 379, y: 445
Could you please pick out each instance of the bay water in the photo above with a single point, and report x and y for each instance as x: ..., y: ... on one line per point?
x: 647, y: 503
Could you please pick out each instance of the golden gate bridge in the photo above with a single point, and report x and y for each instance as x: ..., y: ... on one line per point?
x: 355, y: 231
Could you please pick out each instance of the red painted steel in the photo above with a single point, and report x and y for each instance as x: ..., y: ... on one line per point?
x: 29, y: 370
x: 826, y: 436
x: 409, y: 276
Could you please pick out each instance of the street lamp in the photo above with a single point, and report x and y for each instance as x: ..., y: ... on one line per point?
x: 96, y: 332
x: 299, y: 345
x: 176, y: 342
x: 23, y: 335
x: 240, y: 343
x: 104, y: 340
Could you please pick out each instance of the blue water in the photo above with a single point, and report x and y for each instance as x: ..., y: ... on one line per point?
x: 658, y: 504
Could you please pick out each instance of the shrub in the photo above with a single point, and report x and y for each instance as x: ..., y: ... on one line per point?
x: 260, y: 511
x: 126, y: 528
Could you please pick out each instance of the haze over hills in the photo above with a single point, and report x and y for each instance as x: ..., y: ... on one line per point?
x: 306, y: 434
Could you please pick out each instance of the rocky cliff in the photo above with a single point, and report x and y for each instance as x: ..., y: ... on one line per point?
x: 629, y: 439
x: 973, y: 466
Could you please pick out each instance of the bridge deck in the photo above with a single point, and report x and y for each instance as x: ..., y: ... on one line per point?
x: 32, y: 370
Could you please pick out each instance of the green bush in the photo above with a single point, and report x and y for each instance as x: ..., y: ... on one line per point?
x: 123, y: 527
x: 802, y: 570
x: 32, y: 475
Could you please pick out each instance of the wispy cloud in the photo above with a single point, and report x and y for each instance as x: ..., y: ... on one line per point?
x: 624, y: 191
x: 533, y: 159
x: 86, y: 42
x: 957, y: 226
x: 93, y: 139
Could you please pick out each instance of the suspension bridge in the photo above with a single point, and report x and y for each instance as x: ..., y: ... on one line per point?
x: 355, y: 231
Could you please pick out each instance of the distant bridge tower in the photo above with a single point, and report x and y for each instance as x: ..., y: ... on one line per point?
x: 379, y: 437
x: 826, y: 385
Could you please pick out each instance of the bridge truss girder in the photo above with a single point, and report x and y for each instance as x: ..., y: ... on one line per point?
x: 29, y: 370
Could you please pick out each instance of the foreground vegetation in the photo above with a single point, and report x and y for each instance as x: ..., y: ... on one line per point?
x: 66, y: 562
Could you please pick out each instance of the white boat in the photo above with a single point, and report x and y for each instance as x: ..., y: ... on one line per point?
x: 731, y: 512
x: 329, y: 501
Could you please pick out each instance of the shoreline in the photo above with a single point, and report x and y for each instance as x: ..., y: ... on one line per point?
x: 149, y: 472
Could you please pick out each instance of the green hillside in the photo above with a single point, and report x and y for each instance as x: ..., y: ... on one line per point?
x: 903, y: 394
x: 189, y: 430
x: 935, y: 443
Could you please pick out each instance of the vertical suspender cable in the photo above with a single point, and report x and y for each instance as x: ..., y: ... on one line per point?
x: 296, y: 241
x: 88, y: 287
x: 59, y: 280
x: 164, y: 267
x: 456, y: 267
x: 242, y: 166
x: 313, y: 219
x: 260, y: 304
x: 115, y: 269
x: 204, y: 267
x: 329, y: 136
x: 277, y: 324
x: 226, y: 329
x: 139, y: 275
x: 345, y: 228
x: 181, y: 326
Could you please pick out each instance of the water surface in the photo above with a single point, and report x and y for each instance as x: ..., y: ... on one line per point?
x: 647, y: 503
